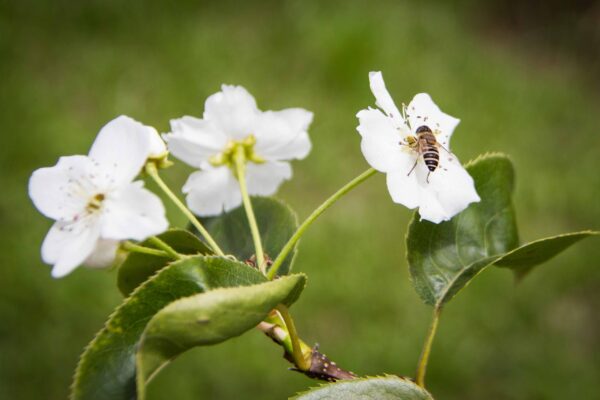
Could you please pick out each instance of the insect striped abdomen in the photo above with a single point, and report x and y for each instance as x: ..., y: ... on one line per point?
x: 430, y: 152
x: 431, y: 156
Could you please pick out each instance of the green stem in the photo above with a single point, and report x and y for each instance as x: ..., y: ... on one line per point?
x: 165, y: 247
x: 299, y: 360
x: 422, y: 366
x: 134, y: 248
x: 240, y: 168
x: 153, y: 172
x: 312, y: 217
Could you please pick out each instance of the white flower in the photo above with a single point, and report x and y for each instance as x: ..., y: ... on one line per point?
x: 389, y: 145
x: 231, y: 118
x: 94, y: 200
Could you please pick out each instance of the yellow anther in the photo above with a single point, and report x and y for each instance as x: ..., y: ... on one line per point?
x: 95, y: 202
x: 226, y: 156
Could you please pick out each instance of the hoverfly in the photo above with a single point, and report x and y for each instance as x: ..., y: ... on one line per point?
x: 427, y: 147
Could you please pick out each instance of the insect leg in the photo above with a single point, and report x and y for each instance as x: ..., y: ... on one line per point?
x: 446, y: 150
x: 413, y: 167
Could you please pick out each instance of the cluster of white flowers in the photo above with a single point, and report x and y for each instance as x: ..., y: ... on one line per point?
x: 96, y: 204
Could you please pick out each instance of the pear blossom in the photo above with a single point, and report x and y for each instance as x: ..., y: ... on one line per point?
x: 94, y: 199
x: 388, y: 145
x: 231, y: 118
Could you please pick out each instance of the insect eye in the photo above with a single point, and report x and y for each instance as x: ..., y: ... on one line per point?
x: 423, y: 128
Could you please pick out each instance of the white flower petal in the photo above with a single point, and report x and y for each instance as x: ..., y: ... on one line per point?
x: 383, y: 98
x: 264, y: 179
x: 449, y: 191
x: 453, y: 186
x: 122, y: 148
x: 233, y: 110
x: 431, y: 209
x: 194, y: 140
x: 404, y: 188
x: 380, y: 142
x: 51, y: 191
x: 212, y: 191
x: 104, y: 254
x: 298, y: 148
x: 282, y: 135
x: 66, y: 246
x: 132, y: 212
x: 423, y: 111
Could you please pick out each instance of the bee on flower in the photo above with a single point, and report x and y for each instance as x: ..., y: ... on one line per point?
x: 412, y: 148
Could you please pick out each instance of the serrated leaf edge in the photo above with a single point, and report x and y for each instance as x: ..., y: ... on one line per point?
x: 141, y: 386
x: 76, y: 375
x: 170, y: 230
x: 487, y: 155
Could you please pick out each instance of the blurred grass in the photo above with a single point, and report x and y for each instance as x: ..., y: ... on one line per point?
x: 67, y: 68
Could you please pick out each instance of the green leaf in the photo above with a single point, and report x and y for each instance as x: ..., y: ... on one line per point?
x: 444, y: 257
x: 209, y: 318
x: 106, y: 369
x: 379, y: 388
x: 523, y: 259
x: 138, y: 267
x: 276, y: 222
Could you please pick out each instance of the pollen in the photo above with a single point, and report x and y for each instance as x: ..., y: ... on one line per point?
x: 95, y: 202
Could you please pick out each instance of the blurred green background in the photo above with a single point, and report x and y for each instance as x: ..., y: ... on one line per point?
x: 522, y: 83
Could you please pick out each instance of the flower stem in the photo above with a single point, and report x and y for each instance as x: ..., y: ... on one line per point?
x: 299, y: 360
x: 165, y: 247
x: 153, y: 172
x: 135, y: 248
x: 312, y: 217
x: 240, y: 168
x: 424, y: 358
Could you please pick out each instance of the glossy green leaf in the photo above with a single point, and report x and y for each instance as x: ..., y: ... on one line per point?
x: 379, y: 388
x: 276, y: 222
x: 209, y: 318
x: 523, y: 259
x: 106, y: 370
x: 138, y: 267
x: 444, y: 257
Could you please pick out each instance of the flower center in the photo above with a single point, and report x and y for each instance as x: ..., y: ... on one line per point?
x: 95, y: 203
x: 226, y: 157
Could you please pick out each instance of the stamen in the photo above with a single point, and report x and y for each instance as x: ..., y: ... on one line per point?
x: 226, y: 156
x: 95, y: 203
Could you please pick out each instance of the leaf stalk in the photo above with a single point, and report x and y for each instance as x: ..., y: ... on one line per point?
x: 152, y: 171
x: 240, y: 169
x: 312, y: 217
x: 165, y: 247
x: 135, y: 248
x: 424, y: 358
x: 300, y: 360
